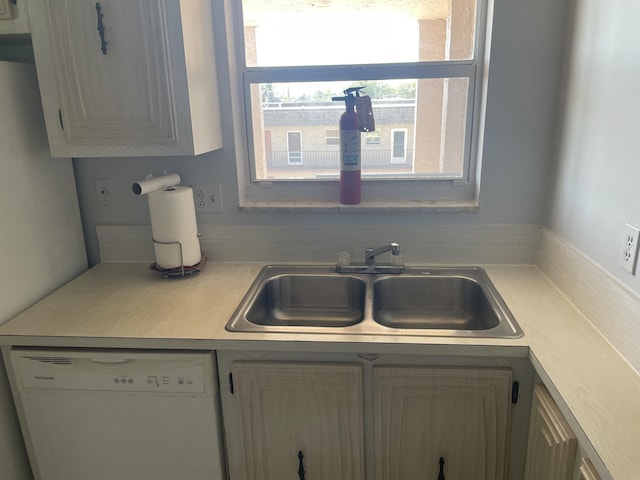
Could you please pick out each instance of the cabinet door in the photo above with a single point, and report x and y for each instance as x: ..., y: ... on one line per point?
x: 6, y: 11
x: 113, y: 74
x: 286, y: 408
x: 551, y: 449
x: 425, y: 413
x: 13, y: 17
x: 586, y: 471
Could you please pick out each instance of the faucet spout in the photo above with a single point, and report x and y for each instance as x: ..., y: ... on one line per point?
x: 372, y: 253
x: 369, y: 266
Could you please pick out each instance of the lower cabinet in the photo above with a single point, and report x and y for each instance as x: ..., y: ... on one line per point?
x: 586, y: 471
x: 455, y: 416
x: 553, y: 451
x: 297, y: 418
x: 331, y: 421
x: 14, y: 18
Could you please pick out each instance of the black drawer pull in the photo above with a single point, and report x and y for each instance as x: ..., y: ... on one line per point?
x: 441, y: 474
x: 300, y: 466
x: 103, y: 42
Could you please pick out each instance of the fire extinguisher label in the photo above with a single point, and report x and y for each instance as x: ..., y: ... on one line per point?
x: 349, y: 149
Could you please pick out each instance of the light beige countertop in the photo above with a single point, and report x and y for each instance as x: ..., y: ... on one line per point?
x: 126, y: 305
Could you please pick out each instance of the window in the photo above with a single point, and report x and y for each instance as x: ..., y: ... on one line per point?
x: 372, y: 138
x: 420, y: 62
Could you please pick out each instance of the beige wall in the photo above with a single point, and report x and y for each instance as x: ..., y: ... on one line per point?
x: 314, y: 137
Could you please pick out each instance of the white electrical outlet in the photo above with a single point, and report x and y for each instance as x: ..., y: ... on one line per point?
x: 104, y: 191
x: 629, y: 250
x: 208, y: 198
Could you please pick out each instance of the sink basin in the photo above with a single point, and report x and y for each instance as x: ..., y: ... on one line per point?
x: 433, y: 302
x: 460, y: 302
x: 308, y: 300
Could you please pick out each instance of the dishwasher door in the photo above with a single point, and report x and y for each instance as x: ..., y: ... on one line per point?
x: 119, y: 415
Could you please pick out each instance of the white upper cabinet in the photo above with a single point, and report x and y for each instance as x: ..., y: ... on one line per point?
x: 134, y: 78
x: 13, y: 17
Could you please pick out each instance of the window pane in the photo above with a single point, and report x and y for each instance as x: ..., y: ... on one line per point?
x: 398, y: 145
x: 294, y: 126
x: 348, y: 32
x: 294, y: 148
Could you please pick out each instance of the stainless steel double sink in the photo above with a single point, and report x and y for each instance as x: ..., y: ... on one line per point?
x: 457, y: 301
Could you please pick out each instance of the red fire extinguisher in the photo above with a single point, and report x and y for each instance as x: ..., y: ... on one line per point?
x: 358, y: 117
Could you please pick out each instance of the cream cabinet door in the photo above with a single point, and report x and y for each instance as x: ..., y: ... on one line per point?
x: 586, y: 471
x: 287, y: 408
x: 14, y: 18
x: 551, y: 449
x: 7, y: 12
x: 127, y: 78
x: 422, y: 414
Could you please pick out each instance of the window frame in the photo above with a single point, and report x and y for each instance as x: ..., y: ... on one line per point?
x: 432, y: 191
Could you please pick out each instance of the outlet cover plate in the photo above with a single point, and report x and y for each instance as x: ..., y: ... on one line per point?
x: 628, y: 258
x: 104, y: 191
x: 207, y: 198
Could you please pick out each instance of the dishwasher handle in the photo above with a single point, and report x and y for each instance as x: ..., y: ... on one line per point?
x: 111, y: 360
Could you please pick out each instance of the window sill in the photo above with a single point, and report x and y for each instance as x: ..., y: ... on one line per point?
x: 381, y: 206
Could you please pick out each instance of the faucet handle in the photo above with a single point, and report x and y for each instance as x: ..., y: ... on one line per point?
x: 344, y: 258
x: 369, y: 256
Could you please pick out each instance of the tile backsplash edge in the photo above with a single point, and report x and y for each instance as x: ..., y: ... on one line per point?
x: 605, y: 302
x: 486, y: 244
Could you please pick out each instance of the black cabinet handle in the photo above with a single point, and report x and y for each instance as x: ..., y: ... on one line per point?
x: 300, y: 466
x: 103, y: 42
x: 441, y: 474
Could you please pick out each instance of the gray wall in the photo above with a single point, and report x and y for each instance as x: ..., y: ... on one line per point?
x: 525, y: 71
x: 42, y: 244
x: 597, y: 183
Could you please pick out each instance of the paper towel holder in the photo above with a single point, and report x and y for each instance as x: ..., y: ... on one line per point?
x: 181, y: 271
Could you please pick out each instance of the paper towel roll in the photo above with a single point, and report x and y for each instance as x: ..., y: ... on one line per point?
x: 173, y: 219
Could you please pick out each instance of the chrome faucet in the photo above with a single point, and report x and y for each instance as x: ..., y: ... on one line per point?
x: 370, y: 254
x: 370, y: 266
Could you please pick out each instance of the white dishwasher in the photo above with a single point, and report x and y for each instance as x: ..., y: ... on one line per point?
x: 119, y: 415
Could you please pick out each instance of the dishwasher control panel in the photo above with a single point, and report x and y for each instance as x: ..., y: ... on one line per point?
x: 115, y: 372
